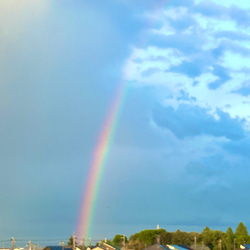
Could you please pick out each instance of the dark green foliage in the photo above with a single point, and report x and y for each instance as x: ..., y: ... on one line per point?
x: 182, y: 238
x: 241, y: 234
x: 229, y: 239
x: 118, y: 240
x: 166, y: 238
x: 82, y: 247
x: 70, y: 242
x: 214, y: 239
x: 135, y: 244
x: 148, y: 237
x: 211, y: 238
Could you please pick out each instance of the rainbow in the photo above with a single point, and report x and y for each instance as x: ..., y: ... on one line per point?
x: 87, y: 210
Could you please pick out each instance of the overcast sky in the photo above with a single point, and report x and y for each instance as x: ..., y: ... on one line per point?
x: 180, y: 154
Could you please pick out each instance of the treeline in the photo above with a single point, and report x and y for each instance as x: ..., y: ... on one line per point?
x: 214, y: 239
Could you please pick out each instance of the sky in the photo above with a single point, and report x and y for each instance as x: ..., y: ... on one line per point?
x: 180, y: 151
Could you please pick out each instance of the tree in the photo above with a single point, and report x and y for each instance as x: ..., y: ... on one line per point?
x: 148, y: 237
x: 166, y: 238
x: 135, y: 244
x: 211, y: 238
x: 241, y: 234
x: 70, y: 242
x: 182, y: 238
x: 229, y: 239
x: 206, y: 237
x: 118, y: 240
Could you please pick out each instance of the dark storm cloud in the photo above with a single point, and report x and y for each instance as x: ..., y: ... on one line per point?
x: 189, y: 121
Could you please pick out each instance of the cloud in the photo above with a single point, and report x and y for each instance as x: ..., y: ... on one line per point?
x: 240, y: 148
x: 192, y: 69
x: 244, y: 90
x: 228, y: 3
x: 210, y: 166
x: 149, y: 72
x: 190, y: 121
x: 223, y: 75
x: 209, y: 58
x: 232, y: 35
x: 209, y: 9
x: 182, y: 23
x: 59, y: 71
x: 241, y: 16
x: 185, y: 96
x: 61, y: 64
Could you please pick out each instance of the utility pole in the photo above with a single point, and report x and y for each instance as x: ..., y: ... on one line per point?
x: 124, y: 242
x: 62, y: 245
x: 74, y: 241
x: 158, y: 239
x: 83, y: 242
x: 234, y: 243
x: 12, y: 243
x: 29, y: 245
x: 220, y: 244
x: 194, y: 242
x: 90, y: 241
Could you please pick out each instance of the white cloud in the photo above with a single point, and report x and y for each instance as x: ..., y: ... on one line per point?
x: 141, y: 60
x: 235, y: 61
x: 228, y: 3
x: 176, y: 13
x: 230, y: 63
x: 212, y: 24
x: 165, y: 30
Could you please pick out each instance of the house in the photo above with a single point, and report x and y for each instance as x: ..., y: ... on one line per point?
x: 60, y: 248
x: 105, y: 246
x: 245, y: 246
x: 108, y: 246
x: 178, y: 247
x: 95, y: 248
x: 15, y: 248
x: 91, y: 247
x: 200, y: 247
x: 156, y: 247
